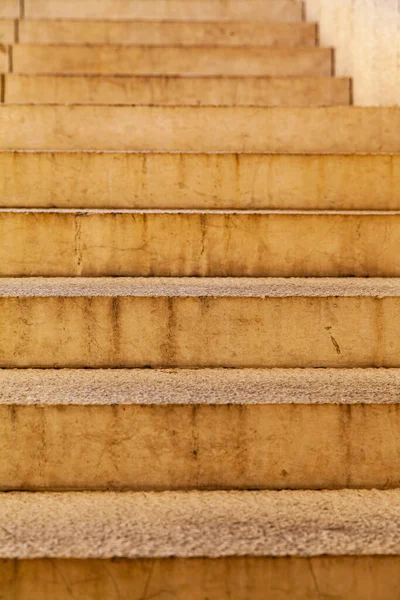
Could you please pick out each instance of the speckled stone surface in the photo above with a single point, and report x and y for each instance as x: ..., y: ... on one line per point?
x: 190, y: 524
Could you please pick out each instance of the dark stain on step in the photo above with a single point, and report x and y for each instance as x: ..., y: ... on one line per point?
x: 333, y: 340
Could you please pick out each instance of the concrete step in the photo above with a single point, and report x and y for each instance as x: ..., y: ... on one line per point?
x: 167, y: 32
x: 221, y: 545
x: 199, y: 181
x: 172, y: 60
x: 9, y: 9
x: 211, y: 129
x: 172, y: 322
x: 7, y: 31
x: 146, y: 429
x: 175, y: 90
x: 252, y: 10
x: 68, y: 243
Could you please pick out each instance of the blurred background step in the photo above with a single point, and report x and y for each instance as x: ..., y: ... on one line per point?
x: 7, y: 31
x: 175, y: 90
x: 67, y: 243
x: 205, y: 322
x: 172, y: 60
x: 223, y: 545
x: 199, y: 181
x: 9, y: 9
x: 210, y: 129
x: 147, y: 429
x: 167, y: 32
x: 252, y: 10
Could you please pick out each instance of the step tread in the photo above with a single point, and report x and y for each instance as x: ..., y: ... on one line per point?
x: 196, y: 211
x: 49, y: 387
x: 208, y: 524
x: 199, y: 287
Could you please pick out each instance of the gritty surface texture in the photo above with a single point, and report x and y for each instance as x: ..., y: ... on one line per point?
x: 192, y: 524
x: 199, y: 386
x: 197, y: 287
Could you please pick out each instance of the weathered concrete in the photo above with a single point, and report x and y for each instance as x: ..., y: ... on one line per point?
x: 212, y: 129
x: 81, y: 387
x: 9, y: 9
x: 94, y: 243
x: 229, y: 578
x: 171, y: 60
x: 168, y: 32
x: 273, y: 10
x: 7, y: 31
x: 161, y: 446
x: 199, y: 524
x: 175, y: 90
x: 198, y: 323
x: 203, y: 181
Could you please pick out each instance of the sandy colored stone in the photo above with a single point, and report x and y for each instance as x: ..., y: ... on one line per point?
x: 211, y: 129
x: 9, y: 9
x: 175, y: 90
x: 198, y: 244
x: 273, y: 10
x: 168, y: 32
x: 199, y: 524
x: 172, y: 60
x: 4, y: 60
x: 229, y: 578
x: 123, y: 322
x: 209, y: 181
x: 7, y: 31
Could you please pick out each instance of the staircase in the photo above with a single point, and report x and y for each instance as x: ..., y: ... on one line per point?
x: 199, y: 308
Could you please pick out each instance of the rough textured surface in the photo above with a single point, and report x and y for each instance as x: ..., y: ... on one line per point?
x: 273, y: 10
x: 199, y: 386
x: 190, y: 524
x: 175, y: 91
x: 198, y: 287
x: 330, y: 130
x: 167, y: 32
x: 189, y: 180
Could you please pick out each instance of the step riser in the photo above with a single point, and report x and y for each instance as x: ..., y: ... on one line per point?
x: 273, y: 62
x: 175, y: 91
x: 158, y: 33
x: 199, y: 181
x: 129, y: 331
x: 190, y: 245
x: 232, y: 578
x: 212, y: 129
x: 199, y: 447
x: 276, y: 10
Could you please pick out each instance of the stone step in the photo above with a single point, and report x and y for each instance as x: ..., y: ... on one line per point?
x: 167, y: 32
x: 175, y: 90
x: 203, y: 181
x: 221, y: 545
x: 205, y: 322
x: 7, y: 31
x: 112, y: 243
x: 212, y: 129
x: 172, y: 60
x: 9, y: 9
x: 251, y: 10
x: 146, y: 429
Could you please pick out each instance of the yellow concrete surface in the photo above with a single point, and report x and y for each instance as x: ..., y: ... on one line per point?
x: 4, y: 58
x: 273, y: 10
x: 123, y: 330
x: 93, y: 244
x: 167, y: 32
x: 7, y: 31
x: 9, y: 9
x: 234, y: 578
x: 141, y: 447
x: 231, y: 129
x: 202, y: 181
x: 200, y: 60
x: 172, y: 90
